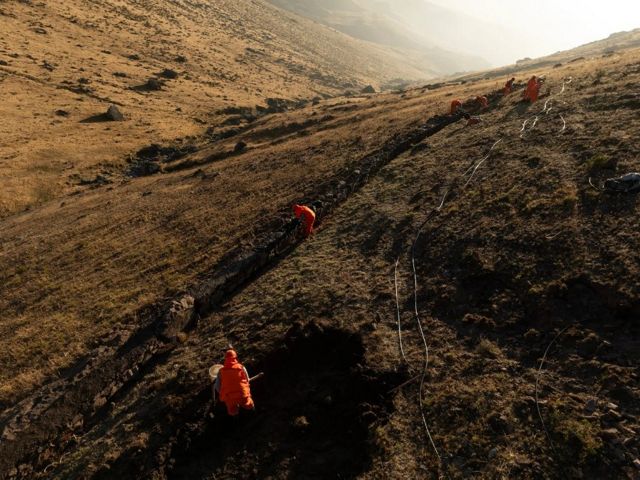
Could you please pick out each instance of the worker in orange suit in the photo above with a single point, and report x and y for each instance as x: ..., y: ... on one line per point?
x: 232, y: 385
x: 455, y: 105
x: 307, y: 217
x: 482, y: 102
x: 508, y: 87
x: 533, y: 89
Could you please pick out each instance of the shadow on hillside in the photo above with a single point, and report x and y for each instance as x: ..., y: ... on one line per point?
x: 102, y: 117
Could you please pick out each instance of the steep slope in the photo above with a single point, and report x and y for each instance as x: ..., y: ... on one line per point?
x: 377, y: 22
x: 63, y: 63
x: 524, y: 262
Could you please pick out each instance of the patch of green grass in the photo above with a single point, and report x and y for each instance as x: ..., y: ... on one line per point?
x: 488, y: 349
x: 576, y: 439
x: 600, y: 161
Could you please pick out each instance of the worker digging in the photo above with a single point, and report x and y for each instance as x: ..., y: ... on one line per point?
x: 455, y: 106
x: 231, y: 384
x: 307, y: 217
x: 482, y: 102
x: 508, y: 87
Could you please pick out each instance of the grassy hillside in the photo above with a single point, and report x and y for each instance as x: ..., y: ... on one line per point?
x: 63, y: 63
x: 525, y: 253
x: 377, y: 23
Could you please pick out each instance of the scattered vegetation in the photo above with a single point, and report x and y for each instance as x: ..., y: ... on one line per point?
x: 600, y: 161
x: 577, y: 440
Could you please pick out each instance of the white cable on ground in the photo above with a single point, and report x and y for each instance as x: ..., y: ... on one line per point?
x: 395, y: 278
x: 481, y: 162
x: 564, y: 124
x: 419, y: 323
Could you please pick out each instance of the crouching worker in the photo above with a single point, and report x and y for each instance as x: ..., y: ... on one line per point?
x: 232, y: 385
x: 307, y: 216
x: 482, y: 102
x: 508, y: 87
x: 455, y: 106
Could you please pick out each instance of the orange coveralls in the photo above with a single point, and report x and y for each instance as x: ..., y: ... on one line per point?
x: 508, y: 87
x: 455, y: 105
x: 307, y: 216
x: 533, y: 90
x: 483, y: 102
x: 234, y: 385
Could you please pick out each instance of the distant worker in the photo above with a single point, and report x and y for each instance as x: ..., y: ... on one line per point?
x: 533, y: 89
x: 472, y: 120
x: 232, y: 385
x: 508, y: 87
x: 482, y: 102
x: 455, y: 106
x: 307, y: 217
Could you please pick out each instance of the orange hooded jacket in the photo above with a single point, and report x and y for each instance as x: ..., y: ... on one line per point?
x: 455, y: 105
x: 483, y: 102
x: 508, y: 87
x: 307, y: 216
x: 533, y: 89
x: 234, y: 384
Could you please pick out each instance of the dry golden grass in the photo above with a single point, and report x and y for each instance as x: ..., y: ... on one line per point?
x: 93, y: 54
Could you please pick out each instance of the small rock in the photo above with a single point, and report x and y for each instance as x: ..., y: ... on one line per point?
x: 591, y: 406
x: 133, y: 56
x: 114, y: 114
x: 40, y: 30
x: 612, y: 406
x: 154, y: 84
x: 62, y: 113
x: 168, y: 73
x: 500, y: 424
x: 181, y: 59
x: 493, y: 453
x: 610, y: 434
x: 3, y: 63
x: 99, y: 402
x: 368, y: 89
x: 636, y: 463
x: 240, y: 147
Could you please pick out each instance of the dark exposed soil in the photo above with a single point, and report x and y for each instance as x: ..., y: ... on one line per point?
x: 318, y: 429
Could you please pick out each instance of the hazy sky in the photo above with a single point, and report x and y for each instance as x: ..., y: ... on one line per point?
x: 554, y: 25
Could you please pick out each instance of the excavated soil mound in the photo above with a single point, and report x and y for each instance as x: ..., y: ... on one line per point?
x: 314, y: 405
